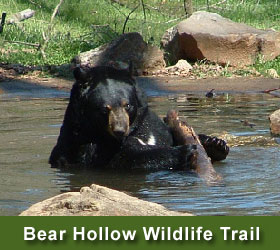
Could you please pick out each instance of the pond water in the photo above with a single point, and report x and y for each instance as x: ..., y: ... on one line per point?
x: 29, y: 126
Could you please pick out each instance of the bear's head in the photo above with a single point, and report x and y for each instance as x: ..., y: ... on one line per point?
x: 109, y: 98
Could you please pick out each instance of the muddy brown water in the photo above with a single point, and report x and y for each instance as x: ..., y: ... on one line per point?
x: 30, y: 118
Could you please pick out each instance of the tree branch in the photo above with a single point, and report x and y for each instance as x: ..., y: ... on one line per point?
x: 144, y: 10
x: 188, y: 7
x: 47, y: 36
x: 127, y: 18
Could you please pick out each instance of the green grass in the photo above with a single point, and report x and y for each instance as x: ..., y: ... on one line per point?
x: 73, y: 32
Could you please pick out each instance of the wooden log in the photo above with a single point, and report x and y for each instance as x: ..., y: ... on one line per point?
x: 271, y: 92
x: 184, y: 134
x: 21, y: 16
x: 267, y: 91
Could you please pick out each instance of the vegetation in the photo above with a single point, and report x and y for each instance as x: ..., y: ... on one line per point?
x: 81, y: 25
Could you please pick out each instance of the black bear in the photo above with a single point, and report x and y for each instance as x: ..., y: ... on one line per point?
x: 108, y: 124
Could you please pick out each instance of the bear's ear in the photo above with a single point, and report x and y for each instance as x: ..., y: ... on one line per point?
x: 80, y: 75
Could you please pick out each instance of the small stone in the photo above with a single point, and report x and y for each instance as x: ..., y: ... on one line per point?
x: 182, y: 66
x: 275, y: 123
x: 272, y: 73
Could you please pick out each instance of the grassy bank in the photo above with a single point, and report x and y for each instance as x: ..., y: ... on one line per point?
x: 73, y: 30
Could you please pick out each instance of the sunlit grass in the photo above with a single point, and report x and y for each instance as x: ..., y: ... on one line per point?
x: 73, y: 32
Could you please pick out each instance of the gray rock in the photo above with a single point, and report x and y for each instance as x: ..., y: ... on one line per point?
x: 170, y: 44
x: 97, y: 201
x: 153, y: 60
x: 275, y: 123
x: 127, y: 47
x: 210, y: 36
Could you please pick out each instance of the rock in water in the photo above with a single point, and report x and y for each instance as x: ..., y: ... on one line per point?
x: 210, y: 36
x: 275, y: 123
x: 97, y: 201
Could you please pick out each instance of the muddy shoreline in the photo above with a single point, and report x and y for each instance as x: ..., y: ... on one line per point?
x: 156, y: 85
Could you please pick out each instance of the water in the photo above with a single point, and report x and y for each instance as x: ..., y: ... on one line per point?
x: 29, y: 126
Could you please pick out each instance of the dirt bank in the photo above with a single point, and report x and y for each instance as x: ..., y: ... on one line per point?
x: 154, y: 85
x: 238, y: 84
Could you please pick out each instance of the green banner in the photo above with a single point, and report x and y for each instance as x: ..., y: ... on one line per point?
x: 139, y: 232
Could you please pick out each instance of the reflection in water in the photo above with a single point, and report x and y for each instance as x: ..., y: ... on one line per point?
x: 29, y: 129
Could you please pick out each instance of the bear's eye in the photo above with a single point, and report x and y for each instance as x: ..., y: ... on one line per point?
x: 106, y: 109
x: 127, y: 106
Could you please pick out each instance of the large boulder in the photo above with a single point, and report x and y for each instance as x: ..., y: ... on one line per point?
x: 210, y: 36
x: 275, y: 123
x: 118, y: 53
x: 97, y: 201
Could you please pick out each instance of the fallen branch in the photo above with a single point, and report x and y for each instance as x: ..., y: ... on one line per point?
x: 184, y: 134
x: 37, y: 45
x: 271, y: 92
x: 21, y: 16
x: 267, y: 91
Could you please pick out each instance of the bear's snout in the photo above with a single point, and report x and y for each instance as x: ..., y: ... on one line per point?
x: 118, y: 122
